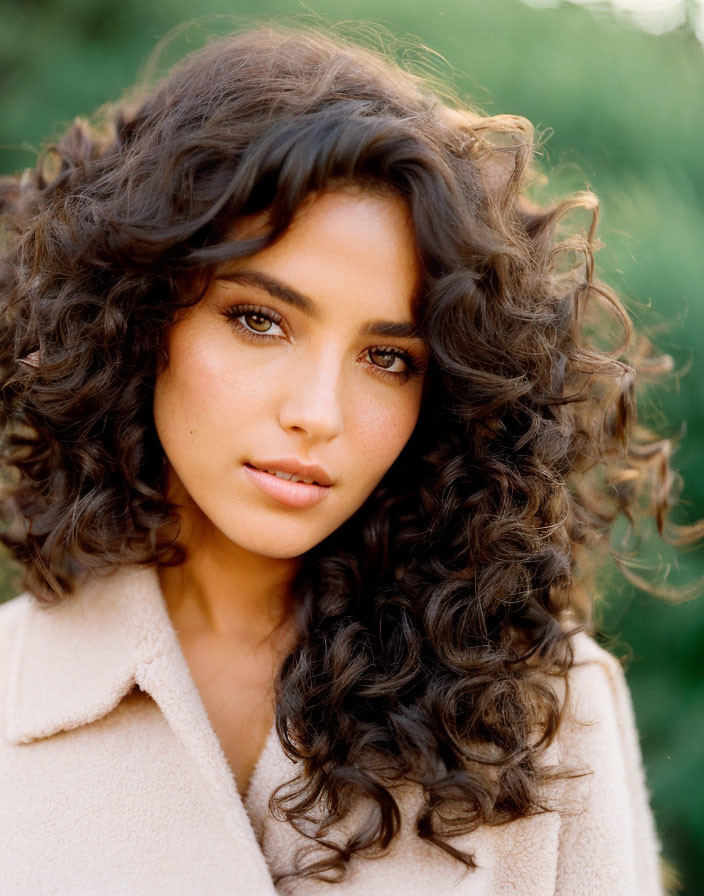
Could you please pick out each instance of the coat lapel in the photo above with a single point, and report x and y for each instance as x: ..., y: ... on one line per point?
x: 73, y: 662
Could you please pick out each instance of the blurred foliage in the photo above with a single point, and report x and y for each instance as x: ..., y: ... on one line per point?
x: 625, y: 111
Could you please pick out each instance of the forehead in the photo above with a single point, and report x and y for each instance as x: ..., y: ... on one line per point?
x: 345, y: 246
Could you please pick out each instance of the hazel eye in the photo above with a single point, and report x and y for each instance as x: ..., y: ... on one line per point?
x: 259, y: 322
x: 254, y: 322
x: 412, y: 366
x: 388, y: 358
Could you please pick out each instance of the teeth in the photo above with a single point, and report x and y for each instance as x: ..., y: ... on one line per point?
x: 290, y: 476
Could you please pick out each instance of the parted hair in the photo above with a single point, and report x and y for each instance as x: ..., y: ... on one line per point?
x: 432, y: 623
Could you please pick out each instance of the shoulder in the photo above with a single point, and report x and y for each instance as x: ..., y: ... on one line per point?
x: 598, y: 708
x: 14, y: 618
x: 597, y: 733
x: 588, y: 653
x: 596, y: 677
x: 608, y: 839
x: 13, y: 614
x: 11, y: 610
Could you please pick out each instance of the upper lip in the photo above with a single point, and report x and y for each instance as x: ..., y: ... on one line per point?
x: 295, y: 466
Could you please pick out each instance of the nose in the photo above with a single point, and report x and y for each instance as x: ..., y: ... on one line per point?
x: 312, y: 401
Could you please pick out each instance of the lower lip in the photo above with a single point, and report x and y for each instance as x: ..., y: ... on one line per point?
x: 292, y: 494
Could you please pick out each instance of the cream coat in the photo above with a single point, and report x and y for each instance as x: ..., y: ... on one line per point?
x: 114, y: 782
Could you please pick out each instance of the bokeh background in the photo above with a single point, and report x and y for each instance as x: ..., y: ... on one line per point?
x: 621, y: 90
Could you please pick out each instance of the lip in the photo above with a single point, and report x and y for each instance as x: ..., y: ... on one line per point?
x: 291, y: 494
x: 295, y: 466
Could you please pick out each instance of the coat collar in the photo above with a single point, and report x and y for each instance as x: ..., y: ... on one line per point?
x: 74, y: 661
x: 71, y: 663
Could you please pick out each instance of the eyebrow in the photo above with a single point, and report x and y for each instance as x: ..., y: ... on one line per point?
x: 390, y: 328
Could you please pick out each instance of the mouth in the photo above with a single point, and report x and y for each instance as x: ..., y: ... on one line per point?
x: 284, y: 491
x: 288, y: 477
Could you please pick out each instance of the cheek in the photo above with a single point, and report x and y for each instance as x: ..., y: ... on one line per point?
x: 183, y: 393
x: 204, y: 389
x: 381, y: 428
x: 187, y: 407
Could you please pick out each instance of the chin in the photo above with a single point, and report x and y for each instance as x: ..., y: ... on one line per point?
x: 275, y: 543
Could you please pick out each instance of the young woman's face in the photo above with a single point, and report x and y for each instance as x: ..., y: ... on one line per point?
x: 286, y: 358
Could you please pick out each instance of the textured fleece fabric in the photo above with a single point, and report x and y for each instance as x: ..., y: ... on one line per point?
x: 113, y: 781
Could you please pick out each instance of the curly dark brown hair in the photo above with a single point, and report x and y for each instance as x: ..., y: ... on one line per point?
x: 432, y: 620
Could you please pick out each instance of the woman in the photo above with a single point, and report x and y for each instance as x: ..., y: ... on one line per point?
x: 310, y: 444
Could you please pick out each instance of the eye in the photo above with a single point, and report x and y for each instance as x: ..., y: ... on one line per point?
x: 257, y: 323
x: 390, y: 355
x: 253, y: 321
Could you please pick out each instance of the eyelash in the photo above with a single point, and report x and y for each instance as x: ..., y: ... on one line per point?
x: 414, y: 366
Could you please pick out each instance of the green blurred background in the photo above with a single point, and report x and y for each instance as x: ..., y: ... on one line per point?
x: 626, y: 111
